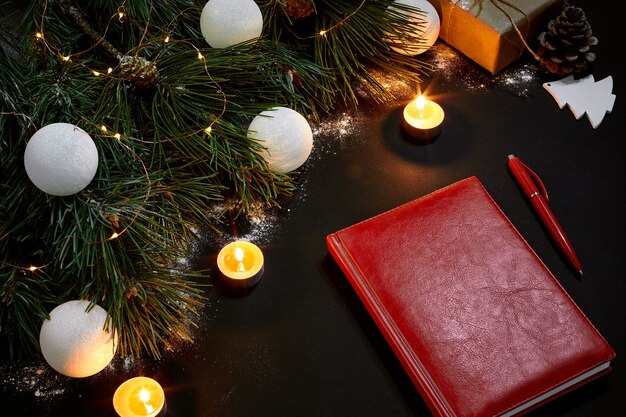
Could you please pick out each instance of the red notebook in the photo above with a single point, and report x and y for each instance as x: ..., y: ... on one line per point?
x: 479, y: 323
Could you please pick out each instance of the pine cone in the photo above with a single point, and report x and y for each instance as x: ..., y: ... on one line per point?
x: 298, y: 9
x: 565, y: 46
x: 142, y: 73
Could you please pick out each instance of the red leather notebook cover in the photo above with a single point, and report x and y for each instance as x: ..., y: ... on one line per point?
x: 479, y: 323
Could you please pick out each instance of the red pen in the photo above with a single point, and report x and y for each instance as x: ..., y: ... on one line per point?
x: 536, y: 192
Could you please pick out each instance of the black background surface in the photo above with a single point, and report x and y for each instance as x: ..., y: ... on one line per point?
x: 301, y: 343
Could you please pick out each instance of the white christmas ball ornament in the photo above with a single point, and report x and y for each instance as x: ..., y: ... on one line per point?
x: 73, y: 341
x: 61, y: 159
x: 228, y: 22
x: 286, y: 135
x: 426, y: 26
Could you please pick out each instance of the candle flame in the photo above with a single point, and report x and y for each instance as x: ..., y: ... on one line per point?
x: 239, y: 258
x: 144, y: 395
x: 420, y: 103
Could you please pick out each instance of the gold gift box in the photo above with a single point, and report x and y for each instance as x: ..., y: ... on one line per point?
x: 485, y: 30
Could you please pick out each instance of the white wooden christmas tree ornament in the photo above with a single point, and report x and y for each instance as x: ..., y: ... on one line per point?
x: 286, y: 135
x: 584, y: 96
x: 228, y: 22
x: 426, y: 25
x: 61, y: 159
x: 74, y: 341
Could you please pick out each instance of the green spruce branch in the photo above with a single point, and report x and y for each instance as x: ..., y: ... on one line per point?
x: 170, y: 124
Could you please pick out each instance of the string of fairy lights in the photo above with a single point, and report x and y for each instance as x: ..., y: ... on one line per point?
x: 121, y: 16
x: 323, y: 32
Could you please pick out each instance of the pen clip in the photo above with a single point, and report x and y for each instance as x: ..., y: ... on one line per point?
x: 536, y: 180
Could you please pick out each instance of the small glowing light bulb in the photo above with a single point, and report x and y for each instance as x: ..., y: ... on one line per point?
x: 117, y: 136
x: 39, y: 35
x: 96, y: 73
x: 114, y: 236
x: 167, y: 39
x: 103, y: 128
x: 33, y: 268
x: 200, y: 56
x: 323, y: 32
x: 208, y: 130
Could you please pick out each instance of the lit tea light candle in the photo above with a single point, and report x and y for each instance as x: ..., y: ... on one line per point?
x: 240, y: 264
x: 139, y: 397
x: 423, y: 118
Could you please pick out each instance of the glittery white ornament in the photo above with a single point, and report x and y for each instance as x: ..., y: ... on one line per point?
x: 74, y: 342
x: 227, y: 22
x: 426, y: 26
x: 286, y: 135
x: 61, y: 159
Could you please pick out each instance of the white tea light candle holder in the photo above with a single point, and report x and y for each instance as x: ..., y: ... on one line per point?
x: 139, y: 397
x: 241, y: 264
x: 423, y: 119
